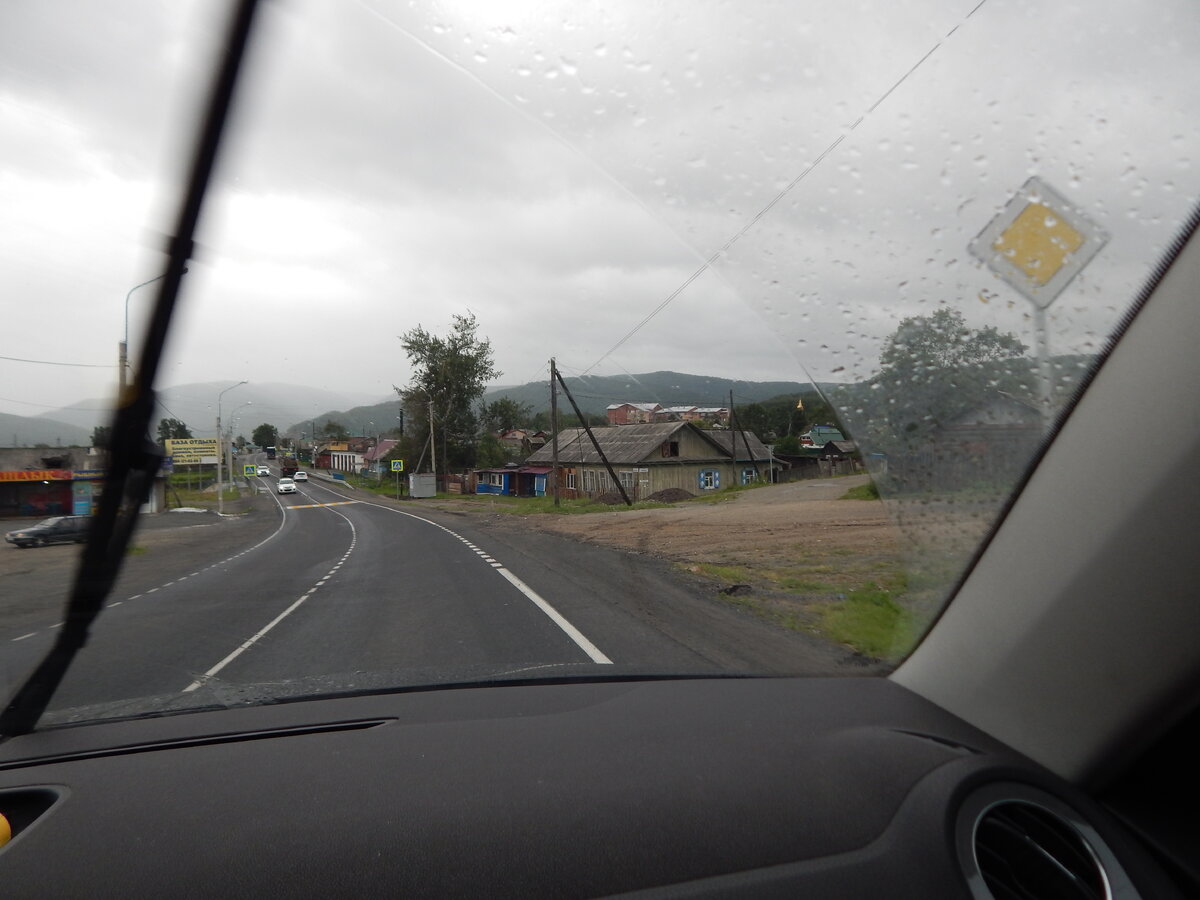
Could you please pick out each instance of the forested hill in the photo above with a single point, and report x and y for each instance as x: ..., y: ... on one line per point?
x: 594, y: 393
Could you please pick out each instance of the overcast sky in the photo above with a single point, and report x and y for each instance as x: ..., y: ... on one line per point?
x: 561, y: 169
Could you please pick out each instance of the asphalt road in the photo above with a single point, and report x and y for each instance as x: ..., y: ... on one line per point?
x: 329, y: 590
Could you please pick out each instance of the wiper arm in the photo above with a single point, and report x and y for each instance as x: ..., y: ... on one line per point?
x: 134, y: 460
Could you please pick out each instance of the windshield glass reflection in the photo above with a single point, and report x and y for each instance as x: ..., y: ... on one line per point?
x: 823, y: 285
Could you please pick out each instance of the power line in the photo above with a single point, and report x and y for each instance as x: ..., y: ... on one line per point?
x: 53, y: 406
x: 46, y: 362
x: 737, y: 236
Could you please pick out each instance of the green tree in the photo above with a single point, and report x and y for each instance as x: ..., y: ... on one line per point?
x: 335, y: 431
x: 101, y: 435
x: 503, y: 414
x: 449, y: 376
x: 934, y: 368
x: 172, y: 430
x: 491, y: 451
x: 265, y: 435
x: 788, y: 445
x: 780, y: 416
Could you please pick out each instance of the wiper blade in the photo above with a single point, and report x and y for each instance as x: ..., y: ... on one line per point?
x: 133, y: 459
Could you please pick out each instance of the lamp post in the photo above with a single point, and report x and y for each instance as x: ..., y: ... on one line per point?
x: 229, y: 431
x: 220, y: 486
x: 123, y: 347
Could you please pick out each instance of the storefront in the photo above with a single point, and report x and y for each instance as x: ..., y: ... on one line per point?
x: 36, y: 492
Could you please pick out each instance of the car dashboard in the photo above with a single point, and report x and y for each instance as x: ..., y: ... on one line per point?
x: 690, y: 787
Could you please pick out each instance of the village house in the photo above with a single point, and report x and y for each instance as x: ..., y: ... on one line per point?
x: 632, y: 413
x: 520, y: 442
x: 990, y: 443
x: 513, y: 480
x: 655, y: 457
x: 819, y: 435
x: 373, y: 457
x: 713, y: 415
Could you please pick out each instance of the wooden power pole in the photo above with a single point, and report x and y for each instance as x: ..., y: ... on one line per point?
x: 554, y: 429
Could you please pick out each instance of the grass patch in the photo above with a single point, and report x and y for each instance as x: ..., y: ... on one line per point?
x: 529, y: 506
x: 804, y: 586
x: 204, y: 499
x: 792, y: 619
x: 868, y: 491
x: 871, y: 621
x: 728, y: 574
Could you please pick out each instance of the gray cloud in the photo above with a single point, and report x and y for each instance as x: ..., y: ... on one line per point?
x: 560, y: 169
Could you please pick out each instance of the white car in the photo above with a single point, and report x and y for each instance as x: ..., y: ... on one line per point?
x: 286, y: 486
x: 301, y: 476
x: 263, y: 470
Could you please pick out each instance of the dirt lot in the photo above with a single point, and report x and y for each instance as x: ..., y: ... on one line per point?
x: 776, y: 525
x: 794, y: 553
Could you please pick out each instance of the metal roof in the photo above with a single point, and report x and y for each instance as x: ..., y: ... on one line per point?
x: 631, y: 444
x: 758, y: 450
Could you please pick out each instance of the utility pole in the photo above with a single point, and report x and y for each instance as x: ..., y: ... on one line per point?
x: 595, y: 443
x: 554, y: 429
x: 745, y: 440
x: 432, y: 447
x: 220, y: 487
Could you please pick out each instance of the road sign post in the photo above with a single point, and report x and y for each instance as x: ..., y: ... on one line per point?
x: 397, y: 468
x: 1037, y: 243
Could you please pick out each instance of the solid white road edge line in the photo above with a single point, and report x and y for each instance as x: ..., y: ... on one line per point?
x: 555, y: 616
x: 571, y: 631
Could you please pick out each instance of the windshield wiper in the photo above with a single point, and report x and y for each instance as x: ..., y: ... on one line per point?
x: 134, y: 460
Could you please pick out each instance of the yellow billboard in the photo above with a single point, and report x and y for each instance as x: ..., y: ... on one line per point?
x: 192, y: 451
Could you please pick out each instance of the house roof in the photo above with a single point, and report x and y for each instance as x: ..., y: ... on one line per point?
x: 629, y: 444
x: 380, y: 450
x: 648, y: 407
x: 999, y: 409
x: 526, y: 470
x: 758, y: 450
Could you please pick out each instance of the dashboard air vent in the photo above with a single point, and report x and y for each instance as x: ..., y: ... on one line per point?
x: 1026, y: 852
x: 1019, y: 842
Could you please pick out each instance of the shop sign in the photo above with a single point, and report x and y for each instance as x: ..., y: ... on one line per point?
x: 37, y: 475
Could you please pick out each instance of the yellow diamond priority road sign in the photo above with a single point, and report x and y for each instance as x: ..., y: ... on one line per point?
x: 1038, y: 242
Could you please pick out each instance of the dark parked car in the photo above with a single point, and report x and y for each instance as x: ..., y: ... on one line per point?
x: 56, y: 530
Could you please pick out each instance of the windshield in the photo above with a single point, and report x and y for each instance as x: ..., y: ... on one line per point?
x: 621, y: 340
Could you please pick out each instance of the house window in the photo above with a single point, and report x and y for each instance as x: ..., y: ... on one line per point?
x: 496, y: 479
x: 589, y: 480
x: 749, y: 476
x: 628, y: 479
x: 709, y: 479
x: 670, y: 448
x: 570, y: 481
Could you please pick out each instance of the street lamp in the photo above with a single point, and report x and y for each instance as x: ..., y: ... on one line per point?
x: 123, y: 347
x: 229, y: 431
x: 220, y: 486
